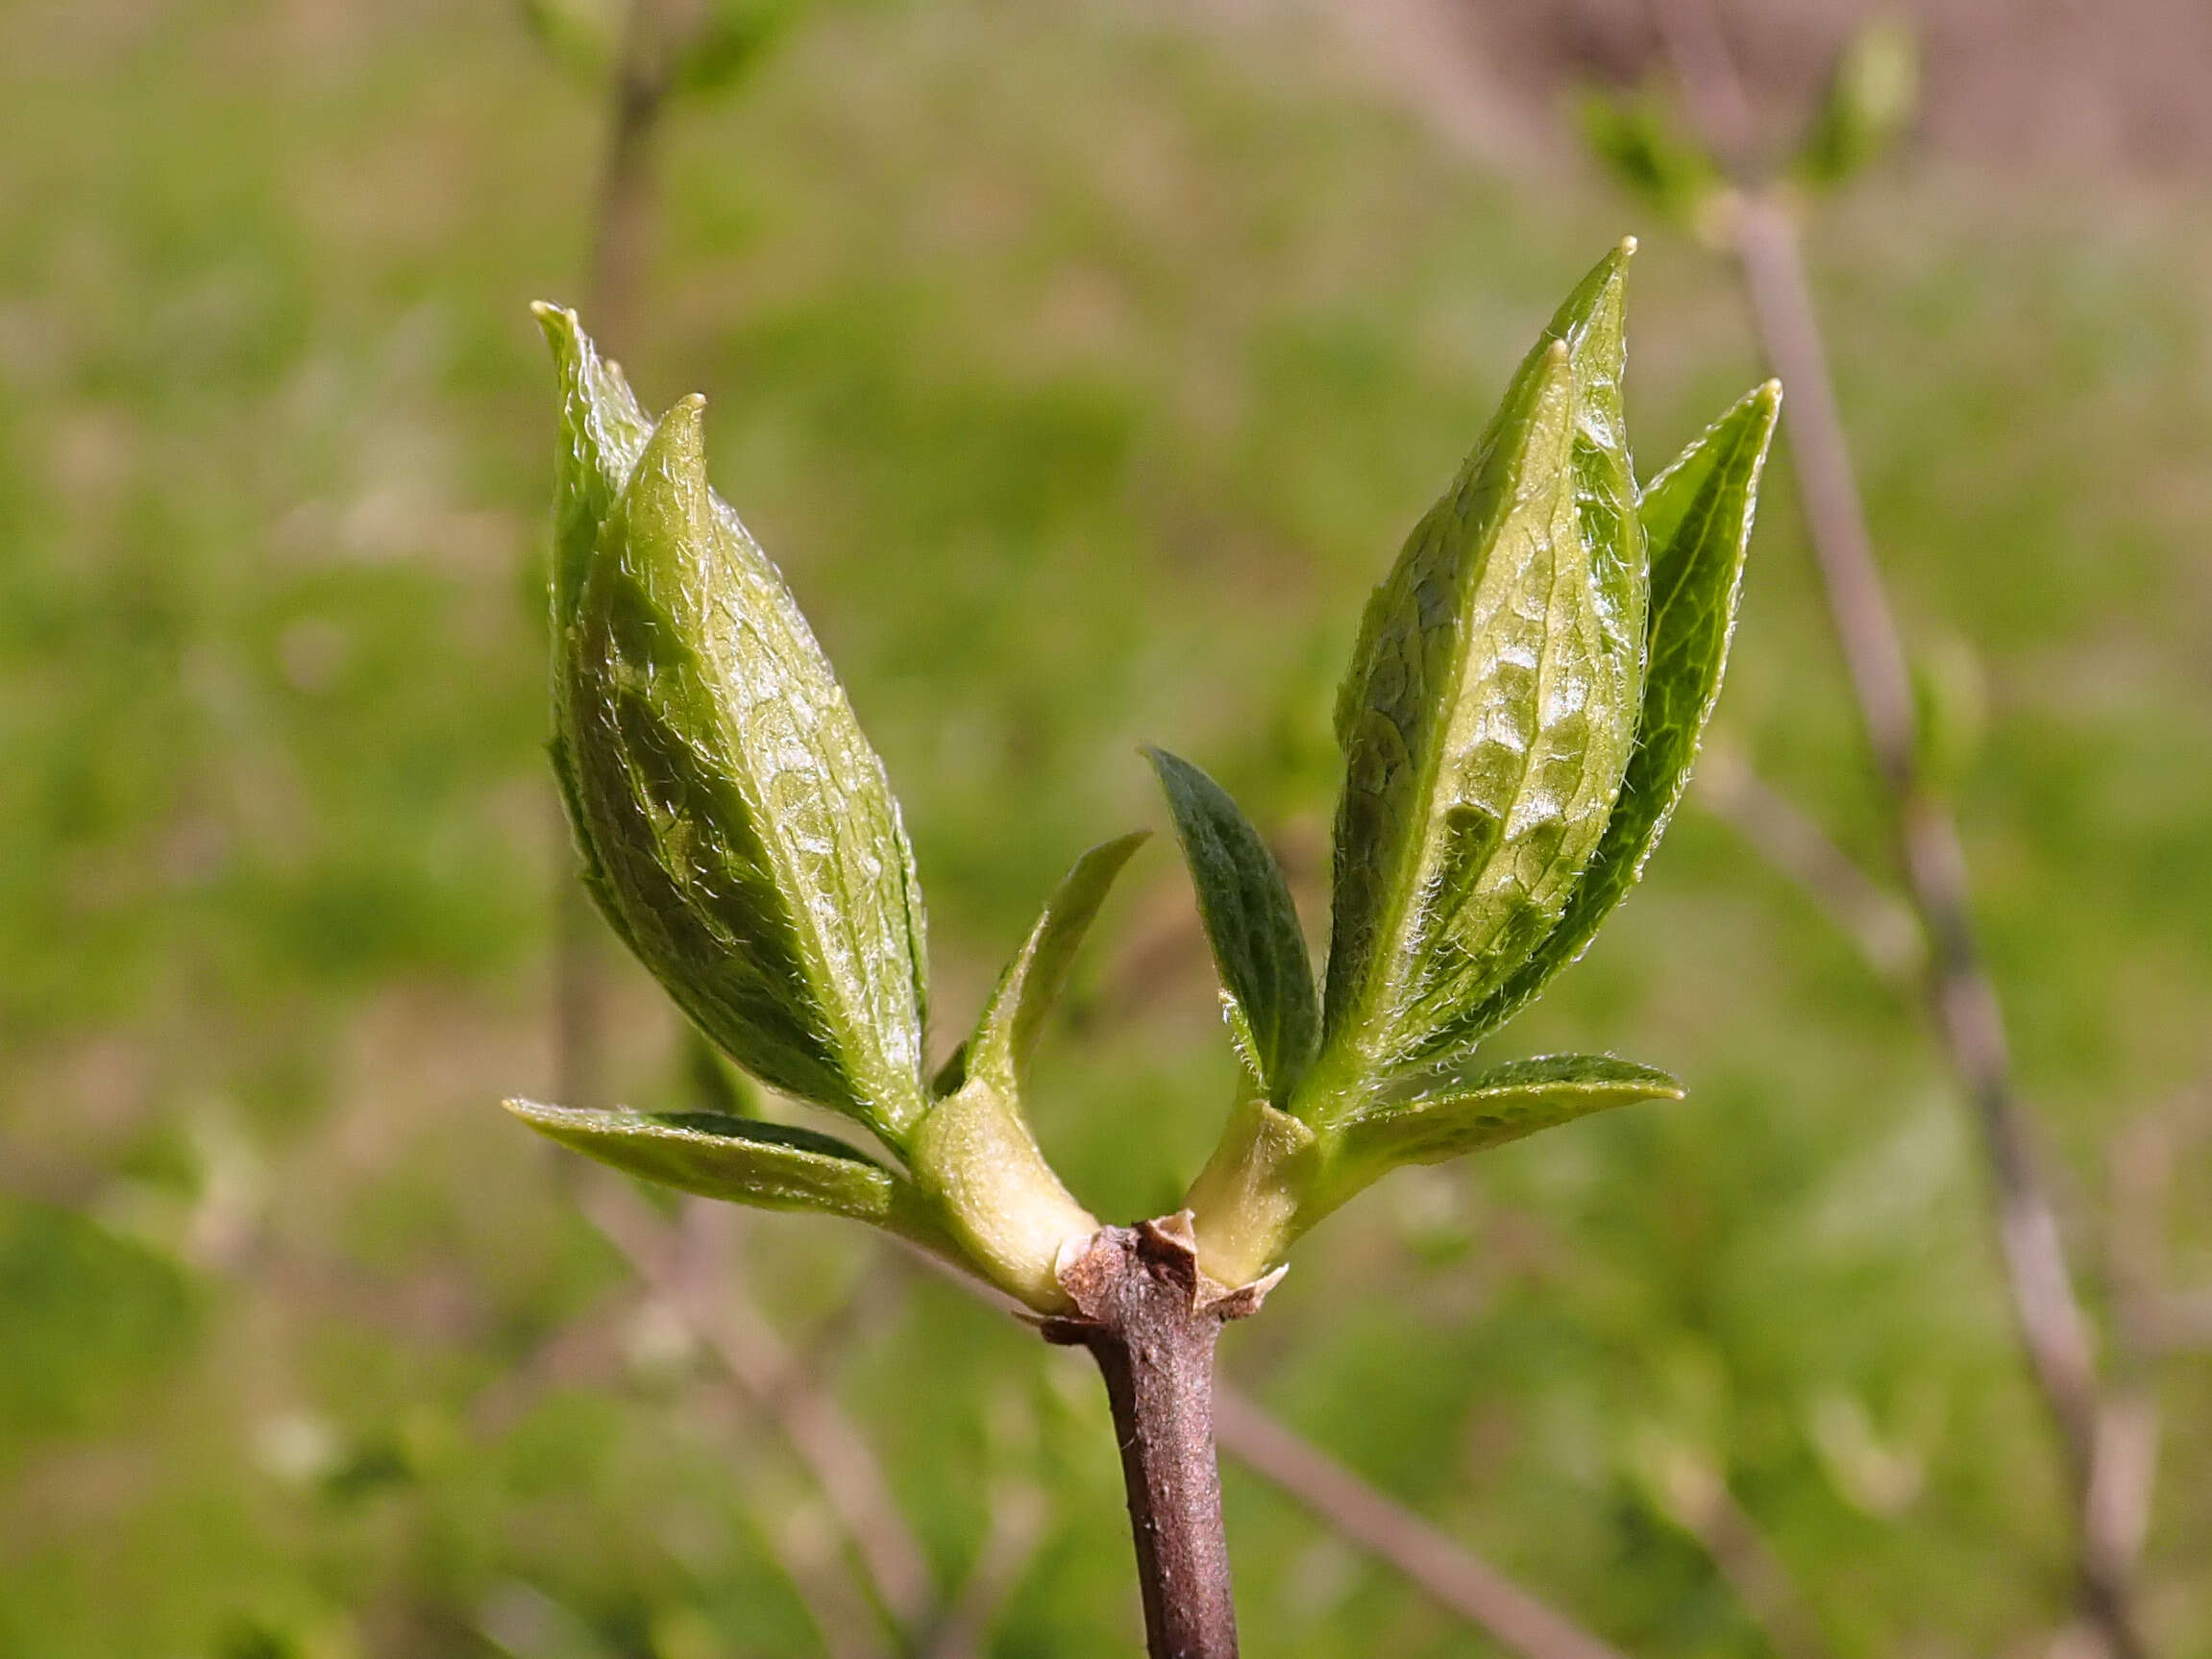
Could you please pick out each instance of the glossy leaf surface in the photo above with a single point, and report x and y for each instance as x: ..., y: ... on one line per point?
x: 1697, y: 517
x: 742, y: 1160
x: 1489, y: 714
x: 1433, y: 1119
x: 743, y: 837
x: 603, y: 433
x: 1267, y: 978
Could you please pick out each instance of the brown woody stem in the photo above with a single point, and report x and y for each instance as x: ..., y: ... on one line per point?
x: 1143, y: 1312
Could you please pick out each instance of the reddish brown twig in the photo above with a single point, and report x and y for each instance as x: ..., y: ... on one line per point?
x: 1140, y: 1311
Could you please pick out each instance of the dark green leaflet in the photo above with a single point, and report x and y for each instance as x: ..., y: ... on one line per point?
x: 746, y: 842
x: 1488, y: 715
x: 1440, y: 1117
x: 1266, y: 979
x: 1698, y: 515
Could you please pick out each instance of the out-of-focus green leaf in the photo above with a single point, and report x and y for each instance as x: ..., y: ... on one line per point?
x: 1267, y: 978
x: 1698, y: 515
x: 724, y: 41
x: 1007, y: 1033
x: 1644, y: 148
x: 1871, y: 100
x: 733, y: 40
x: 580, y: 36
x: 1431, y: 1118
x: 1951, y: 708
x: 742, y: 834
x: 739, y: 1158
x: 1489, y: 712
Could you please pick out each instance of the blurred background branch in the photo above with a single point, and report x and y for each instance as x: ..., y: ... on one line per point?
x: 692, y: 1269
x: 1961, y: 997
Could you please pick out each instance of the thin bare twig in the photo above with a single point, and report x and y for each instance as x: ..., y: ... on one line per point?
x: 2116, y: 1519
x: 1788, y: 839
x: 837, y: 1456
x: 1018, y: 1515
x: 805, y: 1539
x: 1963, y: 1002
x: 1450, y: 1575
x: 1696, y: 1494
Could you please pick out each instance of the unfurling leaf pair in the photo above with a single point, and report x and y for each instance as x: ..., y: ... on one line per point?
x: 715, y: 45
x: 1873, y: 94
x: 1519, y: 723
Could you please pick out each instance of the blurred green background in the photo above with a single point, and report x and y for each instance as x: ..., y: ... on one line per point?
x: 1083, y: 365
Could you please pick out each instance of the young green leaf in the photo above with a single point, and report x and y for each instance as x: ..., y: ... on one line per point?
x: 1431, y: 1118
x: 742, y: 1160
x: 1637, y: 140
x: 1698, y: 515
x: 1007, y: 1033
x: 1487, y: 717
x: 580, y: 35
x: 743, y: 840
x: 1870, y: 101
x: 1267, y: 978
x: 730, y: 39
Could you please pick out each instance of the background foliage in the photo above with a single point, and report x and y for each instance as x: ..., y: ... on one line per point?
x: 1082, y: 366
